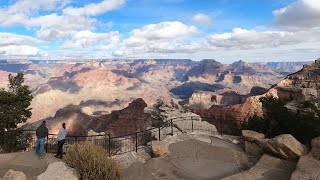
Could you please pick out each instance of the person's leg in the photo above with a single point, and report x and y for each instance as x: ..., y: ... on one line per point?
x: 58, y: 149
x: 37, y: 147
x: 61, y: 148
x: 42, y: 142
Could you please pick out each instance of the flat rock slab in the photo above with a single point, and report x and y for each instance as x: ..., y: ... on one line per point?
x: 26, y: 162
x: 223, y: 143
x: 268, y: 168
x: 190, y: 159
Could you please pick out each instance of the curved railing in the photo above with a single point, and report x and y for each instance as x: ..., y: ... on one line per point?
x: 130, y: 142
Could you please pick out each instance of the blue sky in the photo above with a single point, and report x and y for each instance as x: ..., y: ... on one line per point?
x: 226, y: 30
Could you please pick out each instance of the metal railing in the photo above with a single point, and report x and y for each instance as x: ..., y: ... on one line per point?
x: 130, y: 142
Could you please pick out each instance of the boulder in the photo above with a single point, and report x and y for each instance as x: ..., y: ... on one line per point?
x: 253, y: 149
x: 315, y: 143
x: 58, y: 171
x: 251, y: 136
x: 14, y: 175
x: 308, y: 168
x: 286, y: 146
x: 159, y: 148
x: 262, y: 143
x: 267, y: 168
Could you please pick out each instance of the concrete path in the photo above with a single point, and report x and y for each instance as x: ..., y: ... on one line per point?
x: 190, y: 159
x: 27, y: 162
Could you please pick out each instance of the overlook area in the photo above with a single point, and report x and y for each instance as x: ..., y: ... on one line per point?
x: 159, y: 90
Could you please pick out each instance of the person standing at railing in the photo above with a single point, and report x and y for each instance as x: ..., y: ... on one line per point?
x: 42, y: 133
x: 61, y: 138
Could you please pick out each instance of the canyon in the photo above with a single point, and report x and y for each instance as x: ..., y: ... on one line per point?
x: 80, y: 92
x: 299, y: 88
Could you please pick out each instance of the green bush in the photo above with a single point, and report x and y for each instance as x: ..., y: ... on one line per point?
x: 278, y: 119
x: 92, y: 162
x: 13, y: 141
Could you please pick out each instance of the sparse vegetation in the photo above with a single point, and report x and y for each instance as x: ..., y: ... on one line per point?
x: 278, y: 119
x: 92, y: 162
x: 14, y: 109
x: 157, y: 118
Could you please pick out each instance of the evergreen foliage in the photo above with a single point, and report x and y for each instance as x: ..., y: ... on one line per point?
x: 304, y: 124
x: 14, y: 109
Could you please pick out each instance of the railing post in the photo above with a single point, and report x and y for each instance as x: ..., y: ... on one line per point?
x: 159, y: 134
x: 191, y: 125
x: 171, y: 127
x: 47, y: 143
x: 109, y: 144
x: 136, y: 142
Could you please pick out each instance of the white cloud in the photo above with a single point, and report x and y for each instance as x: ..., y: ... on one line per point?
x: 301, y: 14
x: 54, y: 26
x: 158, y: 39
x: 164, y: 31
x: 201, y: 19
x: 21, y: 10
x: 251, y: 39
x: 60, y: 27
x: 94, y: 9
x: 24, y: 50
x: 88, y: 39
x: 7, y: 39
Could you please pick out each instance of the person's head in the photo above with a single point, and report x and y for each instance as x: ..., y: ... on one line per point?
x: 43, y: 122
x: 64, y: 125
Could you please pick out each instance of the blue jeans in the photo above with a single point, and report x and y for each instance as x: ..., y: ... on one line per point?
x: 40, y: 146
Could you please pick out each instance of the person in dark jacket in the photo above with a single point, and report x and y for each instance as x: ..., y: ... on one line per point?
x: 42, y: 133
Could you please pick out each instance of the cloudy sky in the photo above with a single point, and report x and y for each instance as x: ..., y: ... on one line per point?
x: 226, y: 30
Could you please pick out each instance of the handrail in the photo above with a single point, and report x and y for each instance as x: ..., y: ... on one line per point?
x: 138, y: 138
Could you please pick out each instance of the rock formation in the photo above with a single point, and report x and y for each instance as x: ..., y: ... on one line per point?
x: 286, y: 147
x: 300, y: 87
x: 159, y: 148
x: 268, y: 167
x: 308, y: 166
x: 14, y: 175
x: 58, y: 171
x: 126, y: 121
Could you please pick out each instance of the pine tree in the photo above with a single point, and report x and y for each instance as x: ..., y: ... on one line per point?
x: 14, y: 110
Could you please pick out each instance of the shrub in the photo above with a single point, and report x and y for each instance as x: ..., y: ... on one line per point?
x: 278, y: 119
x: 92, y: 162
x: 13, y: 141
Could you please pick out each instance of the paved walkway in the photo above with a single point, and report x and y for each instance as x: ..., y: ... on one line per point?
x: 27, y: 162
x: 190, y: 159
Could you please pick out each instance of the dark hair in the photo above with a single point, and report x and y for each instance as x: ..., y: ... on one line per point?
x: 43, y: 122
x: 63, y: 124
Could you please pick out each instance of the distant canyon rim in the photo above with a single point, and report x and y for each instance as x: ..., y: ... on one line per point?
x: 98, y: 87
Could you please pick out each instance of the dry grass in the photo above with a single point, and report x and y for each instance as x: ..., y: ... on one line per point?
x: 92, y: 162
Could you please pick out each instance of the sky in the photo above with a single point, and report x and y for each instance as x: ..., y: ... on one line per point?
x: 225, y: 30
